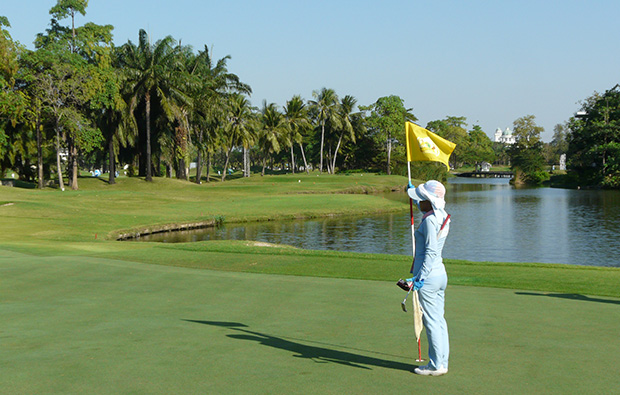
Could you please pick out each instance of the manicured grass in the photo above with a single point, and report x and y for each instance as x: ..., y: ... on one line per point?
x: 83, y: 313
x: 94, y: 325
x: 241, y: 256
x: 133, y: 204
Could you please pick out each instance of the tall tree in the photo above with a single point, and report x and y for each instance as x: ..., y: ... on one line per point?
x: 298, y: 123
x: 85, y: 48
x: 68, y: 8
x: 479, y: 147
x: 594, y: 140
x: 388, y: 116
x: 349, y: 124
x: 62, y: 10
x: 324, y: 108
x: 238, y: 130
x: 115, y: 118
x: 152, y: 70
x: 526, y: 154
x: 558, y: 144
x: 214, y: 86
x: 61, y: 81
x: 272, y: 128
x: 453, y: 129
x: 13, y: 102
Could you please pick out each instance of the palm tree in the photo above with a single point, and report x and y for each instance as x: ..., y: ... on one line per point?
x: 348, y: 124
x: 210, y: 133
x: 238, y: 130
x: 119, y: 128
x: 183, y: 110
x: 118, y: 125
x: 247, y: 139
x: 296, y: 118
x: 324, y: 107
x: 214, y: 86
x: 273, y: 127
x: 152, y: 71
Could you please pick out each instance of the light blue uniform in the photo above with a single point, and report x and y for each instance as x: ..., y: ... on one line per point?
x: 428, y: 266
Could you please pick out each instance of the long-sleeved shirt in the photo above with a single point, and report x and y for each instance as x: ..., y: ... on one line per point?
x: 428, y: 261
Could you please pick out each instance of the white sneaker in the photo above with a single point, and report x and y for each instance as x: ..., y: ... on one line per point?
x: 426, y: 370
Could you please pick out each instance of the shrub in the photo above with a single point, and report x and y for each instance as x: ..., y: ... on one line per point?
x: 537, y: 177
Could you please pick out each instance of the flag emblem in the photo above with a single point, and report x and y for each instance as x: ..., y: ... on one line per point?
x: 427, y: 146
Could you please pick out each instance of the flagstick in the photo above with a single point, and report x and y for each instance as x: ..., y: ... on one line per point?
x: 419, y: 352
x: 411, y: 213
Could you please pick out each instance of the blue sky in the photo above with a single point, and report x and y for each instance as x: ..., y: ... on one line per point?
x: 489, y: 61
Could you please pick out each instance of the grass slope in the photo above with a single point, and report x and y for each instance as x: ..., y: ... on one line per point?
x: 133, y: 204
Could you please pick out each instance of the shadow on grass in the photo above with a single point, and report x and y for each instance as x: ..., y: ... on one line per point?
x: 316, y: 354
x: 571, y: 297
x: 11, y: 182
x: 104, y: 180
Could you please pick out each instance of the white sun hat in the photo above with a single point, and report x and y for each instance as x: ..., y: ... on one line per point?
x: 434, y: 192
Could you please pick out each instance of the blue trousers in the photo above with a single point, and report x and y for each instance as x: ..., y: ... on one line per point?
x: 432, y: 299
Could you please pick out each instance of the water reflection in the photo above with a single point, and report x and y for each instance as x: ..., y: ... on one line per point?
x: 492, y: 221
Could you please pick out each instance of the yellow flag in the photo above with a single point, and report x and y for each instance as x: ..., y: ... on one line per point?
x: 424, y: 145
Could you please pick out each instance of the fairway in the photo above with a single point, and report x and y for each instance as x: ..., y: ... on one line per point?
x: 74, y: 324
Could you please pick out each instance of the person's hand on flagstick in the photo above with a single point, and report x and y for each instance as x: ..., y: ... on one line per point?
x: 410, y: 185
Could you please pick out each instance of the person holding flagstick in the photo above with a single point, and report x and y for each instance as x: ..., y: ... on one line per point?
x: 430, y: 278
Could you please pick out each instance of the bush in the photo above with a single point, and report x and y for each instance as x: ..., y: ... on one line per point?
x: 428, y: 171
x: 537, y: 177
x: 611, y: 181
x: 131, y: 171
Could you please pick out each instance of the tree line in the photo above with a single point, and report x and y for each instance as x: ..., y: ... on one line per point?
x: 79, y: 102
x: 590, y: 141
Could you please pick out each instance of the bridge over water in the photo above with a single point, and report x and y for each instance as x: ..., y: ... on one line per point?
x: 486, y: 174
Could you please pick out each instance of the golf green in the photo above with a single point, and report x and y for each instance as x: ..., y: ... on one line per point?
x: 75, y: 324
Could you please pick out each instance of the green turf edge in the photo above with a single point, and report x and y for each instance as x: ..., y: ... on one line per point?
x: 252, y: 257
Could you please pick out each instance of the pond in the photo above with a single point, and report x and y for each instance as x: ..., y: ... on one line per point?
x: 491, y: 221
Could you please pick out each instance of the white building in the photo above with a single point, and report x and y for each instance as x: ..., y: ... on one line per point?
x: 504, y: 137
x: 64, y: 154
x: 484, y: 167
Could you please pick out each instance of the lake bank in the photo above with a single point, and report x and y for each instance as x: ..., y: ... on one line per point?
x: 133, y: 205
x: 492, y: 221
